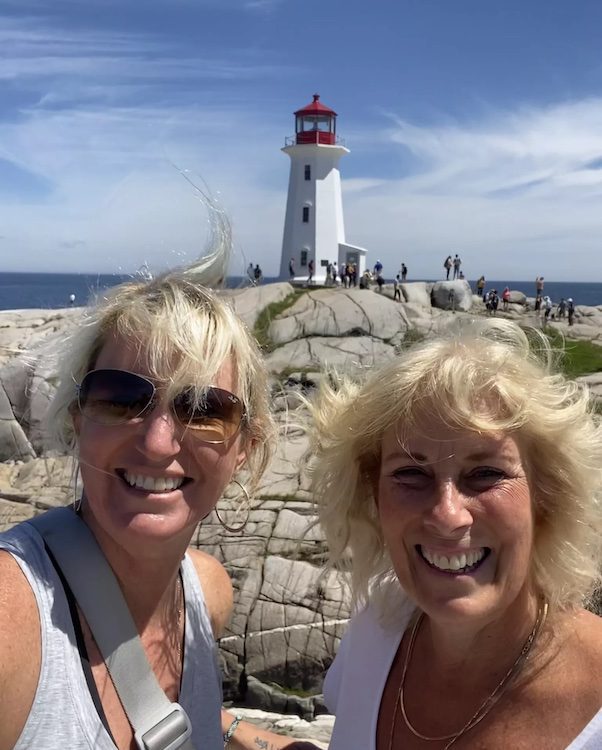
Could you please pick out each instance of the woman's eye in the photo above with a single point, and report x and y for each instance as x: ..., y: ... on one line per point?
x: 409, y: 474
x: 487, y: 473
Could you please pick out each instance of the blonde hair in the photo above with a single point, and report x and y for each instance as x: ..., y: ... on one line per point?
x: 483, y: 376
x: 186, y: 334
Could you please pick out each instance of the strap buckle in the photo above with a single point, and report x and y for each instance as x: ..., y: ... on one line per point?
x: 170, y: 733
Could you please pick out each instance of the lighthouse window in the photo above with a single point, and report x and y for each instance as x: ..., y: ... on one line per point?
x: 305, y: 214
x: 308, y: 172
x: 303, y: 258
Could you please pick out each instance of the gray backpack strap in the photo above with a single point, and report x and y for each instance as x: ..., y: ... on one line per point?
x: 158, y: 723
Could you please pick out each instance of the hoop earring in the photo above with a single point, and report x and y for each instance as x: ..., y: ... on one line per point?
x: 247, y: 502
x: 77, y: 501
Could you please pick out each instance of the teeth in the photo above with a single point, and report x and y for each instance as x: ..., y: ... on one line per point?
x: 153, y: 484
x: 453, y: 562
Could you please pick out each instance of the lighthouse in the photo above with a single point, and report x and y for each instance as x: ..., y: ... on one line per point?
x: 314, y: 230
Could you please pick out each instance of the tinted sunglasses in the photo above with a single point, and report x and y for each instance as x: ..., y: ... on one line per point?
x: 113, y: 397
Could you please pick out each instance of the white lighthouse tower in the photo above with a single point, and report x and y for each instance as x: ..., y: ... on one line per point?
x: 314, y: 230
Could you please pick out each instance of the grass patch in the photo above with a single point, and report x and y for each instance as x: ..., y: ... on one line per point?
x: 578, y: 357
x: 265, y: 317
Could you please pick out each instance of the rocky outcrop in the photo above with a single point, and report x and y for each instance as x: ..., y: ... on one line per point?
x: 288, y: 616
x: 452, y: 295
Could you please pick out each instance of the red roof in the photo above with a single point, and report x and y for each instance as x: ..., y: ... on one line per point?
x: 315, y: 108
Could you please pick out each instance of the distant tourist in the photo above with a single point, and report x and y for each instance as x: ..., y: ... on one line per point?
x: 547, y: 307
x: 335, y: 273
x: 493, y: 300
x: 251, y: 273
x: 506, y: 298
x: 257, y: 274
x: 378, y: 267
x: 447, y: 264
x: 539, y: 286
x: 291, y: 268
x: 570, y: 306
x: 349, y: 274
x: 353, y: 278
x: 72, y: 299
x: 380, y: 281
x: 538, y: 300
x: 481, y: 286
x: 561, y: 309
x: 457, y: 264
x: 396, y: 289
x: 310, y: 271
x: 461, y: 275
x: 404, y: 272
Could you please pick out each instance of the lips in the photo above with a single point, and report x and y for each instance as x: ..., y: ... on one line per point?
x: 459, y: 562
x: 147, y: 483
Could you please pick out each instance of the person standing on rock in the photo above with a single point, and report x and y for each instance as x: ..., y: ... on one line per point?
x: 291, y: 269
x: 570, y: 306
x: 463, y: 480
x: 404, y: 272
x: 480, y: 286
x: 457, y: 263
x: 506, y: 298
x: 396, y: 289
x: 310, y: 271
x: 335, y: 274
x: 547, y: 307
x: 539, y: 284
x: 163, y: 400
x: 447, y: 264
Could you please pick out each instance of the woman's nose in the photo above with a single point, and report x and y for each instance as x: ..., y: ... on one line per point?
x: 160, y: 432
x: 449, y: 511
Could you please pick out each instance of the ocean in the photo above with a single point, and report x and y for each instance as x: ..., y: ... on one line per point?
x: 52, y: 290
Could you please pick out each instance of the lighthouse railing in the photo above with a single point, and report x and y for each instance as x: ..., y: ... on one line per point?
x: 314, y: 137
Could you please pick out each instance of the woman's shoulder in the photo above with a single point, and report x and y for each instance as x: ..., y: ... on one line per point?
x: 20, y: 648
x: 217, y: 588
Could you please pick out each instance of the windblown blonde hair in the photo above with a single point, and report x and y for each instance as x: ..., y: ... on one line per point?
x: 484, y: 376
x: 186, y: 333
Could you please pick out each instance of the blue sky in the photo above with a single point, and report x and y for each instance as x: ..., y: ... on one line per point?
x: 474, y: 127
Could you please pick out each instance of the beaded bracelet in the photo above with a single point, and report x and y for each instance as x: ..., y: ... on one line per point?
x: 231, y: 730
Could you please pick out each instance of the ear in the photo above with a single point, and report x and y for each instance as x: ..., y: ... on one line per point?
x: 245, y: 447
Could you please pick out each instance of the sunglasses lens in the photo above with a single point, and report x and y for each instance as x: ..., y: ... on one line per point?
x: 114, y: 396
x: 215, y: 418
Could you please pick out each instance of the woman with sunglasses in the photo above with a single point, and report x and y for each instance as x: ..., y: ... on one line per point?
x: 163, y: 399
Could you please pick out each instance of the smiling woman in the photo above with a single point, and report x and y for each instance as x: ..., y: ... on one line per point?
x: 163, y: 399
x: 461, y: 486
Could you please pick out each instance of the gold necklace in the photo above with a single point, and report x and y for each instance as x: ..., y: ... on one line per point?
x: 489, y: 701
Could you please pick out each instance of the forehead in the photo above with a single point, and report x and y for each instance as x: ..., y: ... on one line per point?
x: 121, y: 353
x: 431, y: 439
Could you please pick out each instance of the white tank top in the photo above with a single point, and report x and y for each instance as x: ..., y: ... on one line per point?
x: 63, y: 714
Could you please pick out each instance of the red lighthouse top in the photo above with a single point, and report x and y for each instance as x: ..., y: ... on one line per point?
x: 316, y: 123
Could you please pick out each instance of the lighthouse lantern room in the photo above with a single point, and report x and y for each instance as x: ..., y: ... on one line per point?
x: 314, y: 233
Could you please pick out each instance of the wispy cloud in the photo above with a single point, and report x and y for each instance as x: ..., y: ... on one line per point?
x: 514, y: 192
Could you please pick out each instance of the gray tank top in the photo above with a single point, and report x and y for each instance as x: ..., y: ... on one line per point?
x: 63, y: 714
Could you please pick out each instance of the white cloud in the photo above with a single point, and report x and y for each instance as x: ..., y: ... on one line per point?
x: 515, y: 194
